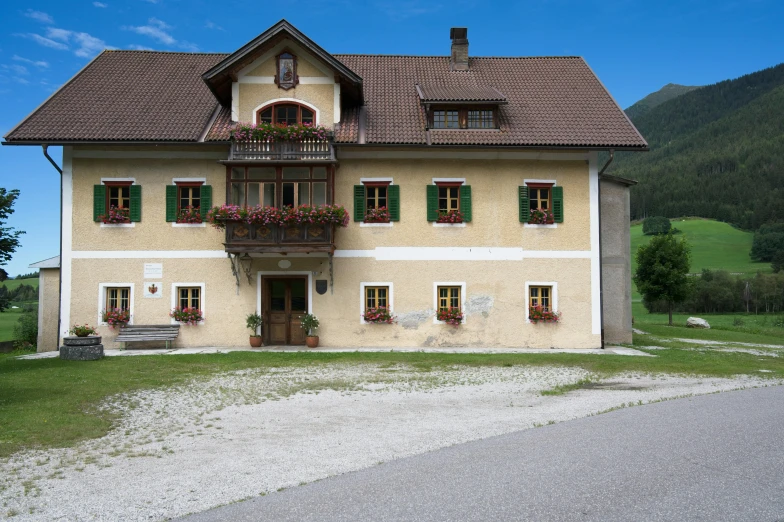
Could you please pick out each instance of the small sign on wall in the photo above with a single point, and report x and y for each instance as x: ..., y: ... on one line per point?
x: 152, y: 290
x: 153, y: 270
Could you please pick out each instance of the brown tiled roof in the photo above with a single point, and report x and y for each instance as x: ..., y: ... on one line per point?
x: 459, y: 93
x: 128, y: 96
x: 555, y: 101
x: 155, y: 96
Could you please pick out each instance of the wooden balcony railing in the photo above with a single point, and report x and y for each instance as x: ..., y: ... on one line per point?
x: 282, y: 150
x: 242, y: 238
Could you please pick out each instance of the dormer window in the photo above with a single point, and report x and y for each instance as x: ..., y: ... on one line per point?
x: 287, y: 71
x: 463, y: 118
x: 286, y: 114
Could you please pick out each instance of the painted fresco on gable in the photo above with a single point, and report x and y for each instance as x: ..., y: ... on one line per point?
x: 287, y: 71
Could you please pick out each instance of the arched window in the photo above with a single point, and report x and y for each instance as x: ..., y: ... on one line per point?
x: 286, y: 114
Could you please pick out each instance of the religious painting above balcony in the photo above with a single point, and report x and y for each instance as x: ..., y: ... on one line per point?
x: 287, y: 71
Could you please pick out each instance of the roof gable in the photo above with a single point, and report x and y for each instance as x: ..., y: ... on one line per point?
x: 220, y: 77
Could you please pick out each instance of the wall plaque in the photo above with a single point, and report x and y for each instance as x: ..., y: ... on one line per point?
x: 152, y: 290
x: 321, y: 286
x: 153, y: 270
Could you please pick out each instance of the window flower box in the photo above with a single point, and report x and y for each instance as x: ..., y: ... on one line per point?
x: 541, y: 217
x: 116, y: 216
x: 285, y: 217
x: 115, y: 317
x: 271, y: 132
x: 377, y: 215
x: 453, y: 316
x: 191, y: 316
x: 378, y: 315
x: 449, y: 216
x: 537, y: 314
x: 189, y: 215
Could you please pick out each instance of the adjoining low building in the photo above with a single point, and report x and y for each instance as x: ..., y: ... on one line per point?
x: 48, y: 304
x: 471, y: 184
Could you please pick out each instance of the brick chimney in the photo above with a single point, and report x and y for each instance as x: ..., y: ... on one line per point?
x: 459, y: 59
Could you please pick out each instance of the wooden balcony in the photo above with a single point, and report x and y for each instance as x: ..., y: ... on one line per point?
x: 306, y: 150
x: 266, y: 239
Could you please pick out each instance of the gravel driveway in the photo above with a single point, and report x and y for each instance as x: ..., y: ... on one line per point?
x: 239, y: 435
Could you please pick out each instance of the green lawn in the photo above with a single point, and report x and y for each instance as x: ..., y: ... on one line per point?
x: 52, y: 403
x: 7, y: 321
x: 714, y: 245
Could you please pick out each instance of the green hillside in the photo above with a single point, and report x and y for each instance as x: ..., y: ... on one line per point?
x: 654, y: 99
x: 714, y: 245
x: 716, y: 152
x: 12, y: 284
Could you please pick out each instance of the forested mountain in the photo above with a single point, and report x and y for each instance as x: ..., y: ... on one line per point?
x: 716, y: 152
x: 654, y: 99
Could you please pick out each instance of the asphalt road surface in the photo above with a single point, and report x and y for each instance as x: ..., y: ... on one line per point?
x: 715, y: 457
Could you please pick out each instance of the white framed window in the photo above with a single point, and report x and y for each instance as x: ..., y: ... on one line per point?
x: 544, y: 293
x: 375, y: 294
x: 449, y: 295
x: 448, y: 198
x: 191, y: 293
x: 376, y: 195
x: 540, y: 196
x: 118, y: 194
x: 115, y: 295
x: 187, y: 192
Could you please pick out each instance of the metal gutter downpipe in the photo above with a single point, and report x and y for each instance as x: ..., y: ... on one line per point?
x: 601, y: 262
x: 60, y: 269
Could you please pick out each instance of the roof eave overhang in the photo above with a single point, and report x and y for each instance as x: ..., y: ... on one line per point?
x: 565, y: 148
x: 63, y: 142
x: 224, y: 69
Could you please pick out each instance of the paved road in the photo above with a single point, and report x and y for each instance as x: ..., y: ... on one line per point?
x: 716, y: 457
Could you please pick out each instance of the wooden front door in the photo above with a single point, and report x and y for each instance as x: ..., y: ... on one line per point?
x: 285, y: 302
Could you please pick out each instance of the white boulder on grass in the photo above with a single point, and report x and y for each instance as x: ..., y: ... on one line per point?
x: 696, y: 322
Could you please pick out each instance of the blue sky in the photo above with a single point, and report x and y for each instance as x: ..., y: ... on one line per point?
x: 634, y: 47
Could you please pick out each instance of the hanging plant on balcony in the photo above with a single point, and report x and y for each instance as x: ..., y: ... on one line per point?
x: 189, y: 215
x: 115, y: 317
x: 537, y: 314
x: 453, y: 316
x: 116, y: 215
x: 191, y: 316
x: 377, y: 215
x: 378, y: 315
x: 540, y: 217
x: 270, y: 132
x: 287, y: 216
x: 449, y: 216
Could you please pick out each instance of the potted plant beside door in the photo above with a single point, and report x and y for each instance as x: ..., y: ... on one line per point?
x: 310, y: 324
x: 254, y: 322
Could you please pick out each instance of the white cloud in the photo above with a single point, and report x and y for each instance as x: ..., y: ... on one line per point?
x: 213, y: 25
x: 46, y: 42
x: 99, y: 4
x: 39, y: 16
x: 38, y: 63
x: 140, y: 47
x: 58, y: 34
x: 155, y: 30
x: 86, y: 44
x: 20, y: 80
x: 15, y: 68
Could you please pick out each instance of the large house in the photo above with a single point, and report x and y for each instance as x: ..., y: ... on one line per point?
x: 472, y: 186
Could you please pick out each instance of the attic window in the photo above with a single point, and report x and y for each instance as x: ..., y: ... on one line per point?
x: 286, y: 114
x: 463, y: 118
x: 286, y: 76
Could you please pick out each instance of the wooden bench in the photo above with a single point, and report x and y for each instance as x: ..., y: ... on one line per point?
x: 132, y: 333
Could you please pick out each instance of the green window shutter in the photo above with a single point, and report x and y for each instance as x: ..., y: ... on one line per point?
x: 525, y: 206
x: 99, y: 201
x: 558, y: 204
x: 206, y: 200
x: 359, y: 202
x: 171, y: 203
x: 432, y: 202
x: 393, y: 202
x: 465, y: 202
x: 136, y: 203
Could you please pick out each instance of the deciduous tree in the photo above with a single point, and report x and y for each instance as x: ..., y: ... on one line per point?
x: 662, y: 271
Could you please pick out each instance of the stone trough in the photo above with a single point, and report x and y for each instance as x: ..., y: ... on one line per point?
x: 81, y: 348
